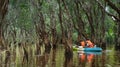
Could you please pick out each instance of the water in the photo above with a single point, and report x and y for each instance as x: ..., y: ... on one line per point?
x: 56, y: 58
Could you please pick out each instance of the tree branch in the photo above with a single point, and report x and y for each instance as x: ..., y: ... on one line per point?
x: 109, y: 14
x: 113, y: 6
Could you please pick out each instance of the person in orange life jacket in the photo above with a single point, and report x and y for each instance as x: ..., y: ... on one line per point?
x: 82, y: 43
x: 89, y: 43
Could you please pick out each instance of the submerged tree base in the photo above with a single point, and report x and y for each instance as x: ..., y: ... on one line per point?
x: 103, y: 45
x: 47, y: 48
x: 117, y: 47
x: 68, y: 53
x: 68, y: 58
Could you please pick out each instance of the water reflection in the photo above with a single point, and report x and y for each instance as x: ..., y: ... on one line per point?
x: 53, y: 63
x: 88, y: 58
x: 42, y: 60
x: 56, y: 58
x: 68, y: 61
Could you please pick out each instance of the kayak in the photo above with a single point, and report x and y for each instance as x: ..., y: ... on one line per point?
x: 87, y: 49
x: 95, y: 49
x: 88, y: 52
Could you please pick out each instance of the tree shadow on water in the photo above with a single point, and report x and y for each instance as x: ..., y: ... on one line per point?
x: 68, y: 59
x: 42, y: 60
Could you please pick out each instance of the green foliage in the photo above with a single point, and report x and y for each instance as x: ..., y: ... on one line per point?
x: 23, y: 13
x: 75, y: 35
x: 110, y: 24
x: 13, y: 2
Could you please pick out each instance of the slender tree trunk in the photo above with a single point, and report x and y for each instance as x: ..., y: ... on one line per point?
x: 3, y: 11
x: 117, y: 38
x: 119, y: 33
x: 53, y: 27
x: 61, y: 22
x: 1, y: 42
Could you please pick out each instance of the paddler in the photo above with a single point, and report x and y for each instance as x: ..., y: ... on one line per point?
x: 89, y: 43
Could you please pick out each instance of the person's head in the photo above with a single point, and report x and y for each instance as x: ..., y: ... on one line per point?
x: 87, y: 39
x: 81, y: 40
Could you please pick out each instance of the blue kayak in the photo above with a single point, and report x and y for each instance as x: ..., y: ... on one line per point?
x: 94, y: 49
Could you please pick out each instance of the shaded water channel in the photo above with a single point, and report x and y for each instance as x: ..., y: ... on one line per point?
x: 56, y: 58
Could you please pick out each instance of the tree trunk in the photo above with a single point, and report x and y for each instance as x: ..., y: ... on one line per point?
x: 3, y: 11
x: 68, y: 58
x: 1, y: 40
x: 117, y: 40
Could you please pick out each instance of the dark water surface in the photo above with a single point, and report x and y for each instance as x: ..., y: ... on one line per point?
x: 56, y: 58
